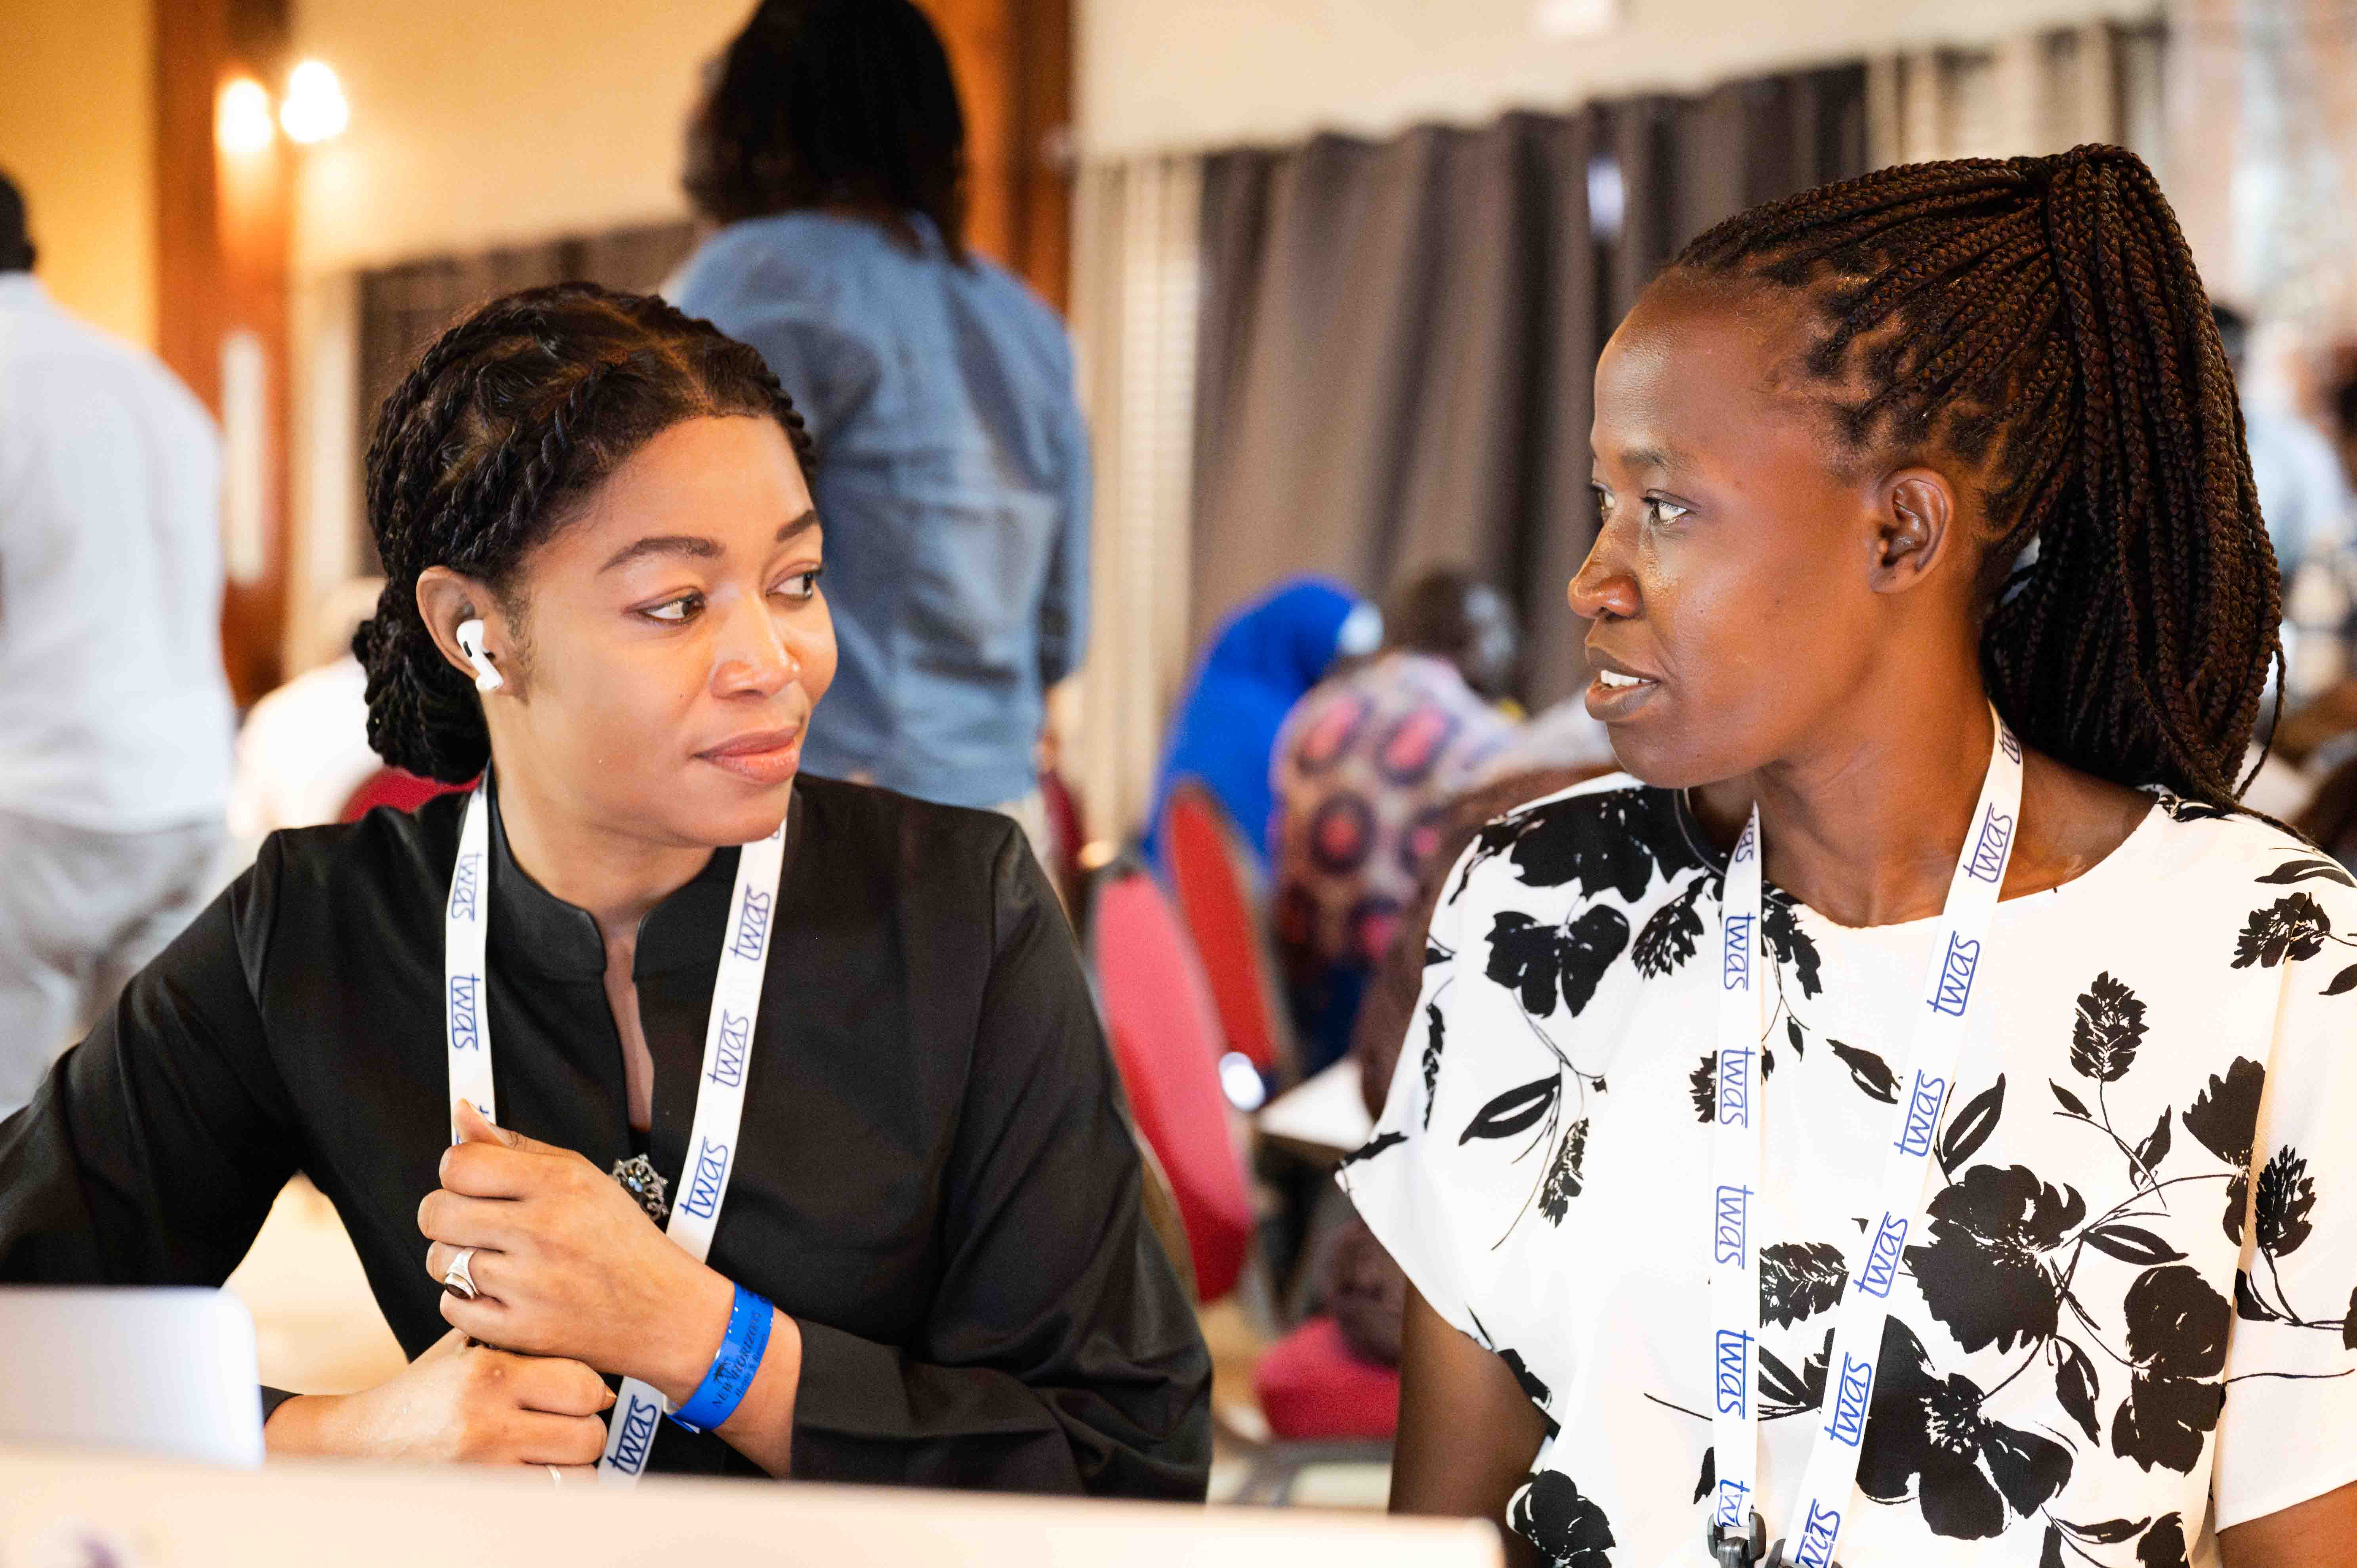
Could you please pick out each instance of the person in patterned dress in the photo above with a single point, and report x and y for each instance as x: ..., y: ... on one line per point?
x: 1366, y: 770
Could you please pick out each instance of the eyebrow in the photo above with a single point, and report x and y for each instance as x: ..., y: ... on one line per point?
x: 696, y: 546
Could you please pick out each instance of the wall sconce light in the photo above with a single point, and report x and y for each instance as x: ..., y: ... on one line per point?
x: 241, y: 117
x: 314, y: 109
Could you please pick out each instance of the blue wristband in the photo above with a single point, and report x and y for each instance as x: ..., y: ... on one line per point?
x: 741, y: 1348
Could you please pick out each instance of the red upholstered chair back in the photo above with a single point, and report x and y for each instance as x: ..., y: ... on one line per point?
x: 391, y: 787
x: 1166, y: 1043
x: 1220, y: 893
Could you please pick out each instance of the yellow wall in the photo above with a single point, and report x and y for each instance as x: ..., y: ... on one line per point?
x: 475, y: 123
x: 77, y: 135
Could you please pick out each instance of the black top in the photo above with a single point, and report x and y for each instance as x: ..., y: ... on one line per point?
x: 936, y: 1178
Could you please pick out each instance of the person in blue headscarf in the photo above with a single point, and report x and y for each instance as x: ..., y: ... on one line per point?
x: 1265, y: 659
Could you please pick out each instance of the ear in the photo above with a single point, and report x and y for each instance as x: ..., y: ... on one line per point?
x: 1915, y: 521
x: 447, y: 600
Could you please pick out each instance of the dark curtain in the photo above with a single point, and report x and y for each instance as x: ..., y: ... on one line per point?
x: 1398, y: 338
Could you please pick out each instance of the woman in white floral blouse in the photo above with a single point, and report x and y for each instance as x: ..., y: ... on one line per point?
x: 1869, y: 461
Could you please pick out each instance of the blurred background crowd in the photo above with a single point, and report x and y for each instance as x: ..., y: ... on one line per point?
x: 1201, y: 388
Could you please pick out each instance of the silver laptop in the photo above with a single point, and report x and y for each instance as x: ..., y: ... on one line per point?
x: 167, y: 1371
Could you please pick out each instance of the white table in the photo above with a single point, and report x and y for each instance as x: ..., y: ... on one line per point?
x: 66, y: 1510
x: 1320, y: 1119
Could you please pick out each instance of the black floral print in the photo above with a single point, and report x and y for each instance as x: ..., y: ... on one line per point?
x: 1798, y: 1280
x: 2224, y: 1118
x: 2069, y: 1333
x: 2290, y: 928
x: 1612, y: 841
x: 2286, y: 1196
x: 1793, y: 947
x: 2163, y: 1545
x: 1570, y: 1529
x: 1870, y: 1072
x: 1669, y: 939
x: 1435, y: 1033
x: 1563, y: 1173
x: 2176, y: 1329
x: 1543, y: 962
x: 2110, y: 1026
x: 1703, y: 1082
x: 1986, y: 1274
x: 1927, y: 1438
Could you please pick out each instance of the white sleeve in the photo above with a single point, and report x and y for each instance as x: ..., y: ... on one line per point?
x: 2288, y: 1432
x: 1399, y: 1182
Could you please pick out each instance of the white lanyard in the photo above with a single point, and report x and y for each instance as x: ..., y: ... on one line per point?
x: 720, y: 1107
x: 1813, y: 1526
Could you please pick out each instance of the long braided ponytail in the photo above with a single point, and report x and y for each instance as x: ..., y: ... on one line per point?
x: 509, y: 418
x: 2041, y: 319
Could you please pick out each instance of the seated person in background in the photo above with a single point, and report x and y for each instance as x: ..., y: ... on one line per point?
x: 603, y: 567
x: 303, y: 750
x: 1259, y: 663
x: 1366, y: 770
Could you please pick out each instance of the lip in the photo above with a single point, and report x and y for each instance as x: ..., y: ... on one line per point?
x: 763, y: 756
x: 1615, y: 705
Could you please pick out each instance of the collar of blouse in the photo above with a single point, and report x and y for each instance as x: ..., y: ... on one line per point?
x: 533, y: 929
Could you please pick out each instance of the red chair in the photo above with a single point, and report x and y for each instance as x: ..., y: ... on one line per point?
x: 1218, y: 889
x: 1322, y: 1404
x: 1312, y: 1388
x: 404, y: 792
x: 1166, y: 1044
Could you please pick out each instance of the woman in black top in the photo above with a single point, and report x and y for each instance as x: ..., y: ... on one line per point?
x: 935, y: 1181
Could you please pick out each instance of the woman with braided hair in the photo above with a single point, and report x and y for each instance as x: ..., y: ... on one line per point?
x: 1903, y: 1119
x: 781, y: 1102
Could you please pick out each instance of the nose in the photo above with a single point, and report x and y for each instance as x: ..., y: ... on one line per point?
x: 754, y: 658
x: 1604, y: 588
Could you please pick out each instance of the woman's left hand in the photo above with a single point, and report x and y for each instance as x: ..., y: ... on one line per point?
x: 566, y: 1263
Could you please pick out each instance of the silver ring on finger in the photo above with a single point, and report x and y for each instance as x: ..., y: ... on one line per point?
x: 458, y: 1279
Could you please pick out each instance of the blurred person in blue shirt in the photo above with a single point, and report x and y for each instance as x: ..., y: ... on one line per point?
x: 1263, y: 659
x: 2301, y: 492
x: 955, y: 480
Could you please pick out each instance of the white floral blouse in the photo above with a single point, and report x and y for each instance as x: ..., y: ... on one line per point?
x: 2127, y: 1320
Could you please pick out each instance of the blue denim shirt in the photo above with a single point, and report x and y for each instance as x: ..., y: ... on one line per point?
x: 953, y: 481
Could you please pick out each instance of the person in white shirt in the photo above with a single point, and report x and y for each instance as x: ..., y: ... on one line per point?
x: 303, y: 752
x: 115, y: 718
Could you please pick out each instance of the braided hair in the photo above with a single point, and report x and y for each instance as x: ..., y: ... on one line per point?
x: 2040, y: 321
x: 491, y: 445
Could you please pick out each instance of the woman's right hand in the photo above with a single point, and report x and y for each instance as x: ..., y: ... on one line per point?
x: 458, y: 1403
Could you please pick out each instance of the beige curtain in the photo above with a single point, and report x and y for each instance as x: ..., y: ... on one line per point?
x: 2030, y: 94
x: 1135, y: 295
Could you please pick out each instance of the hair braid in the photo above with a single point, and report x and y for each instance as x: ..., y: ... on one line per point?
x: 2041, y: 321
x: 510, y: 419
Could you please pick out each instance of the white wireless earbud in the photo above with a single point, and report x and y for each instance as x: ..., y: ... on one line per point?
x: 470, y: 643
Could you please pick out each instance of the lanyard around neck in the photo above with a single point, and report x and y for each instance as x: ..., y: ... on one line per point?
x: 719, y: 1104
x: 1813, y: 1526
